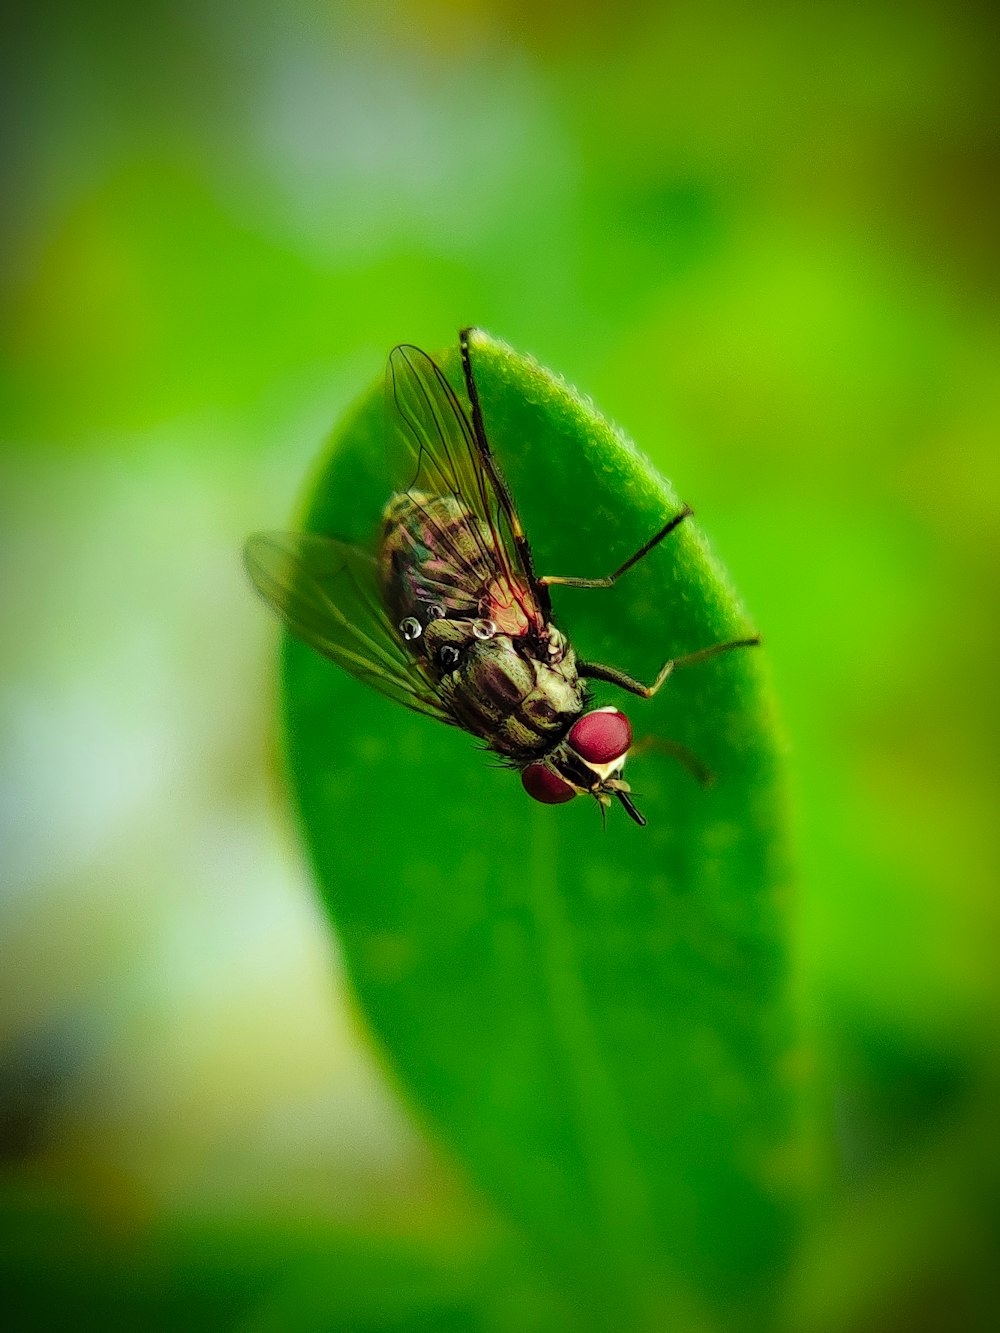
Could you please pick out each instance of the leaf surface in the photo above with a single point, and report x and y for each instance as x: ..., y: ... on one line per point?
x: 595, y: 1022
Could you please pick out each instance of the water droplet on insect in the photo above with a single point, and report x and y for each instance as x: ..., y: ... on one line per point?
x: 435, y: 612
x: 484, y: 629
x: 410, y: 628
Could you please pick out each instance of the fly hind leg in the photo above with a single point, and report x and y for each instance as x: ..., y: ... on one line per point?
x: 610, y: 580
x: 676, y: 750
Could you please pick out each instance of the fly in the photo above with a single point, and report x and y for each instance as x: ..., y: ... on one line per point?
x: 448, y: 616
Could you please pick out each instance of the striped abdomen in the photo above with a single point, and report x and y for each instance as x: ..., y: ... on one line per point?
x: 435, y: 552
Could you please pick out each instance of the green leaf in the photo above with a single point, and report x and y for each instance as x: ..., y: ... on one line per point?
x: 594, y: 1021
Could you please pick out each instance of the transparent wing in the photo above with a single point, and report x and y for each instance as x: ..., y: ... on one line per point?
x: 326, y: 591
x: 433, y: 450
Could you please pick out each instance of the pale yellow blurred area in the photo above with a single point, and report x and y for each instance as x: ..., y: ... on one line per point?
x: 171, y: 990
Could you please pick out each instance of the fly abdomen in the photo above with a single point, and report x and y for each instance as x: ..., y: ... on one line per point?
x: 432, y: 549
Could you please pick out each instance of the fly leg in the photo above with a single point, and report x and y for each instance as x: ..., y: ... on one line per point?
x: 610, y: 580
x: 700, y: 772
x: 615, y: 676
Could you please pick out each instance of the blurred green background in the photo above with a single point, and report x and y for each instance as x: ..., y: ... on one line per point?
x: 767, y: 236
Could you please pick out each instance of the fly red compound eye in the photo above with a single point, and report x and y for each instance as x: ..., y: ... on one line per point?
x: 544, y: 785
x: 601, y: 737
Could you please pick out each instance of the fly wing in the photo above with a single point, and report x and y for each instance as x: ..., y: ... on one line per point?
x: 326, y: 591
x: 433, y: 451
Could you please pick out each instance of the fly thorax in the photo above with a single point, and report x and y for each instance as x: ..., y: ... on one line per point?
x: 557, y: 697
x: 443, y: 644
x: 483, y: 682
x: 556, y: 646
x: 548, y: 709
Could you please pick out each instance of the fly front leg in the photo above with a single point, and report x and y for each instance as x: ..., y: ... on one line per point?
x: 614, y: 676
x: 610, y: 580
